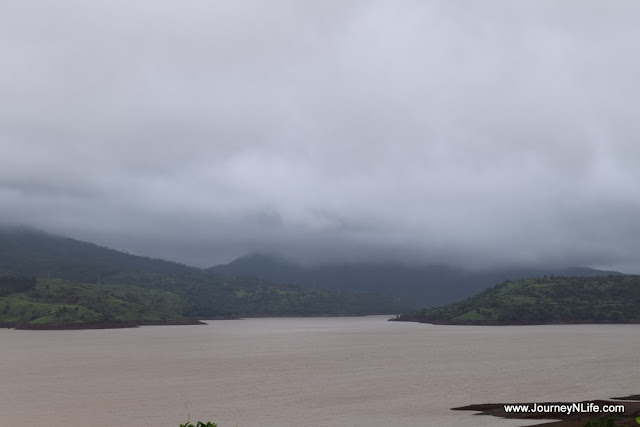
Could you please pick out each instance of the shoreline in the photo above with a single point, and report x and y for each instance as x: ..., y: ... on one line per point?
x: 99, y: 324
x: 416, y: 319
x: 562, y: 419
x: 302, y: 316
x: 117, y: 324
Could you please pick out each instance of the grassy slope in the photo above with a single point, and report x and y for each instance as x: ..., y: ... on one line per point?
x: 545, y: 300
x: 62, y: 301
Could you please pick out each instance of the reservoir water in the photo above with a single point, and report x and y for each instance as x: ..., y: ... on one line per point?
x: 358, y: 371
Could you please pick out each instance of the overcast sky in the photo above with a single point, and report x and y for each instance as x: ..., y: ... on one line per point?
x: 461, y: 131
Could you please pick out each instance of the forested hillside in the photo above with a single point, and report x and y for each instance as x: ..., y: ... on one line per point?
x: 124, y: 287
x: 416, y: 285
x: 30, y: 302
x: 605, y: 299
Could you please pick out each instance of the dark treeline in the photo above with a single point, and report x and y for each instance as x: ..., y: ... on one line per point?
x: 10, y: 284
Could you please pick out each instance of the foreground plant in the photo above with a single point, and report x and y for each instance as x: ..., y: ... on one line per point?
x: 600, y: 422
x: 198, y: 424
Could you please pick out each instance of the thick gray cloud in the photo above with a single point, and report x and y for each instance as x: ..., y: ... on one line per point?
x: 476, y: 132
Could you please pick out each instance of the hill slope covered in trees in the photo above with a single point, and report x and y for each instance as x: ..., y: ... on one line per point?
x: 107, y: 273
x: 416, y: 285
x: 604, y: 299
x: 47, y: 303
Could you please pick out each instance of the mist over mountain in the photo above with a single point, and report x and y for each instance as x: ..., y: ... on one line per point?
x: 413, y: 283
x: 455, y: 133
x: 33, y: 252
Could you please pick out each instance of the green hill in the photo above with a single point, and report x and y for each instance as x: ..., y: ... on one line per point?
x: 30, y: 302
x: 604, y: 299
x: 58, y: 303
x: 138, y: 282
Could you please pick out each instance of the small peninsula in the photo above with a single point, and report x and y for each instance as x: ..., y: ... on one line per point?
x: 545, y: 300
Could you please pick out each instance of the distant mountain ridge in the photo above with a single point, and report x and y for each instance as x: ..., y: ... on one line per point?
x: 422, y: 285
x: 30, y: 253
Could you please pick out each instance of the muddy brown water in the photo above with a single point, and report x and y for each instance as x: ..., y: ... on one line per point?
x: 359, y: 371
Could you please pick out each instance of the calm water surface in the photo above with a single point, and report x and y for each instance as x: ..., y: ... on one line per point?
x: 305, y: 372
